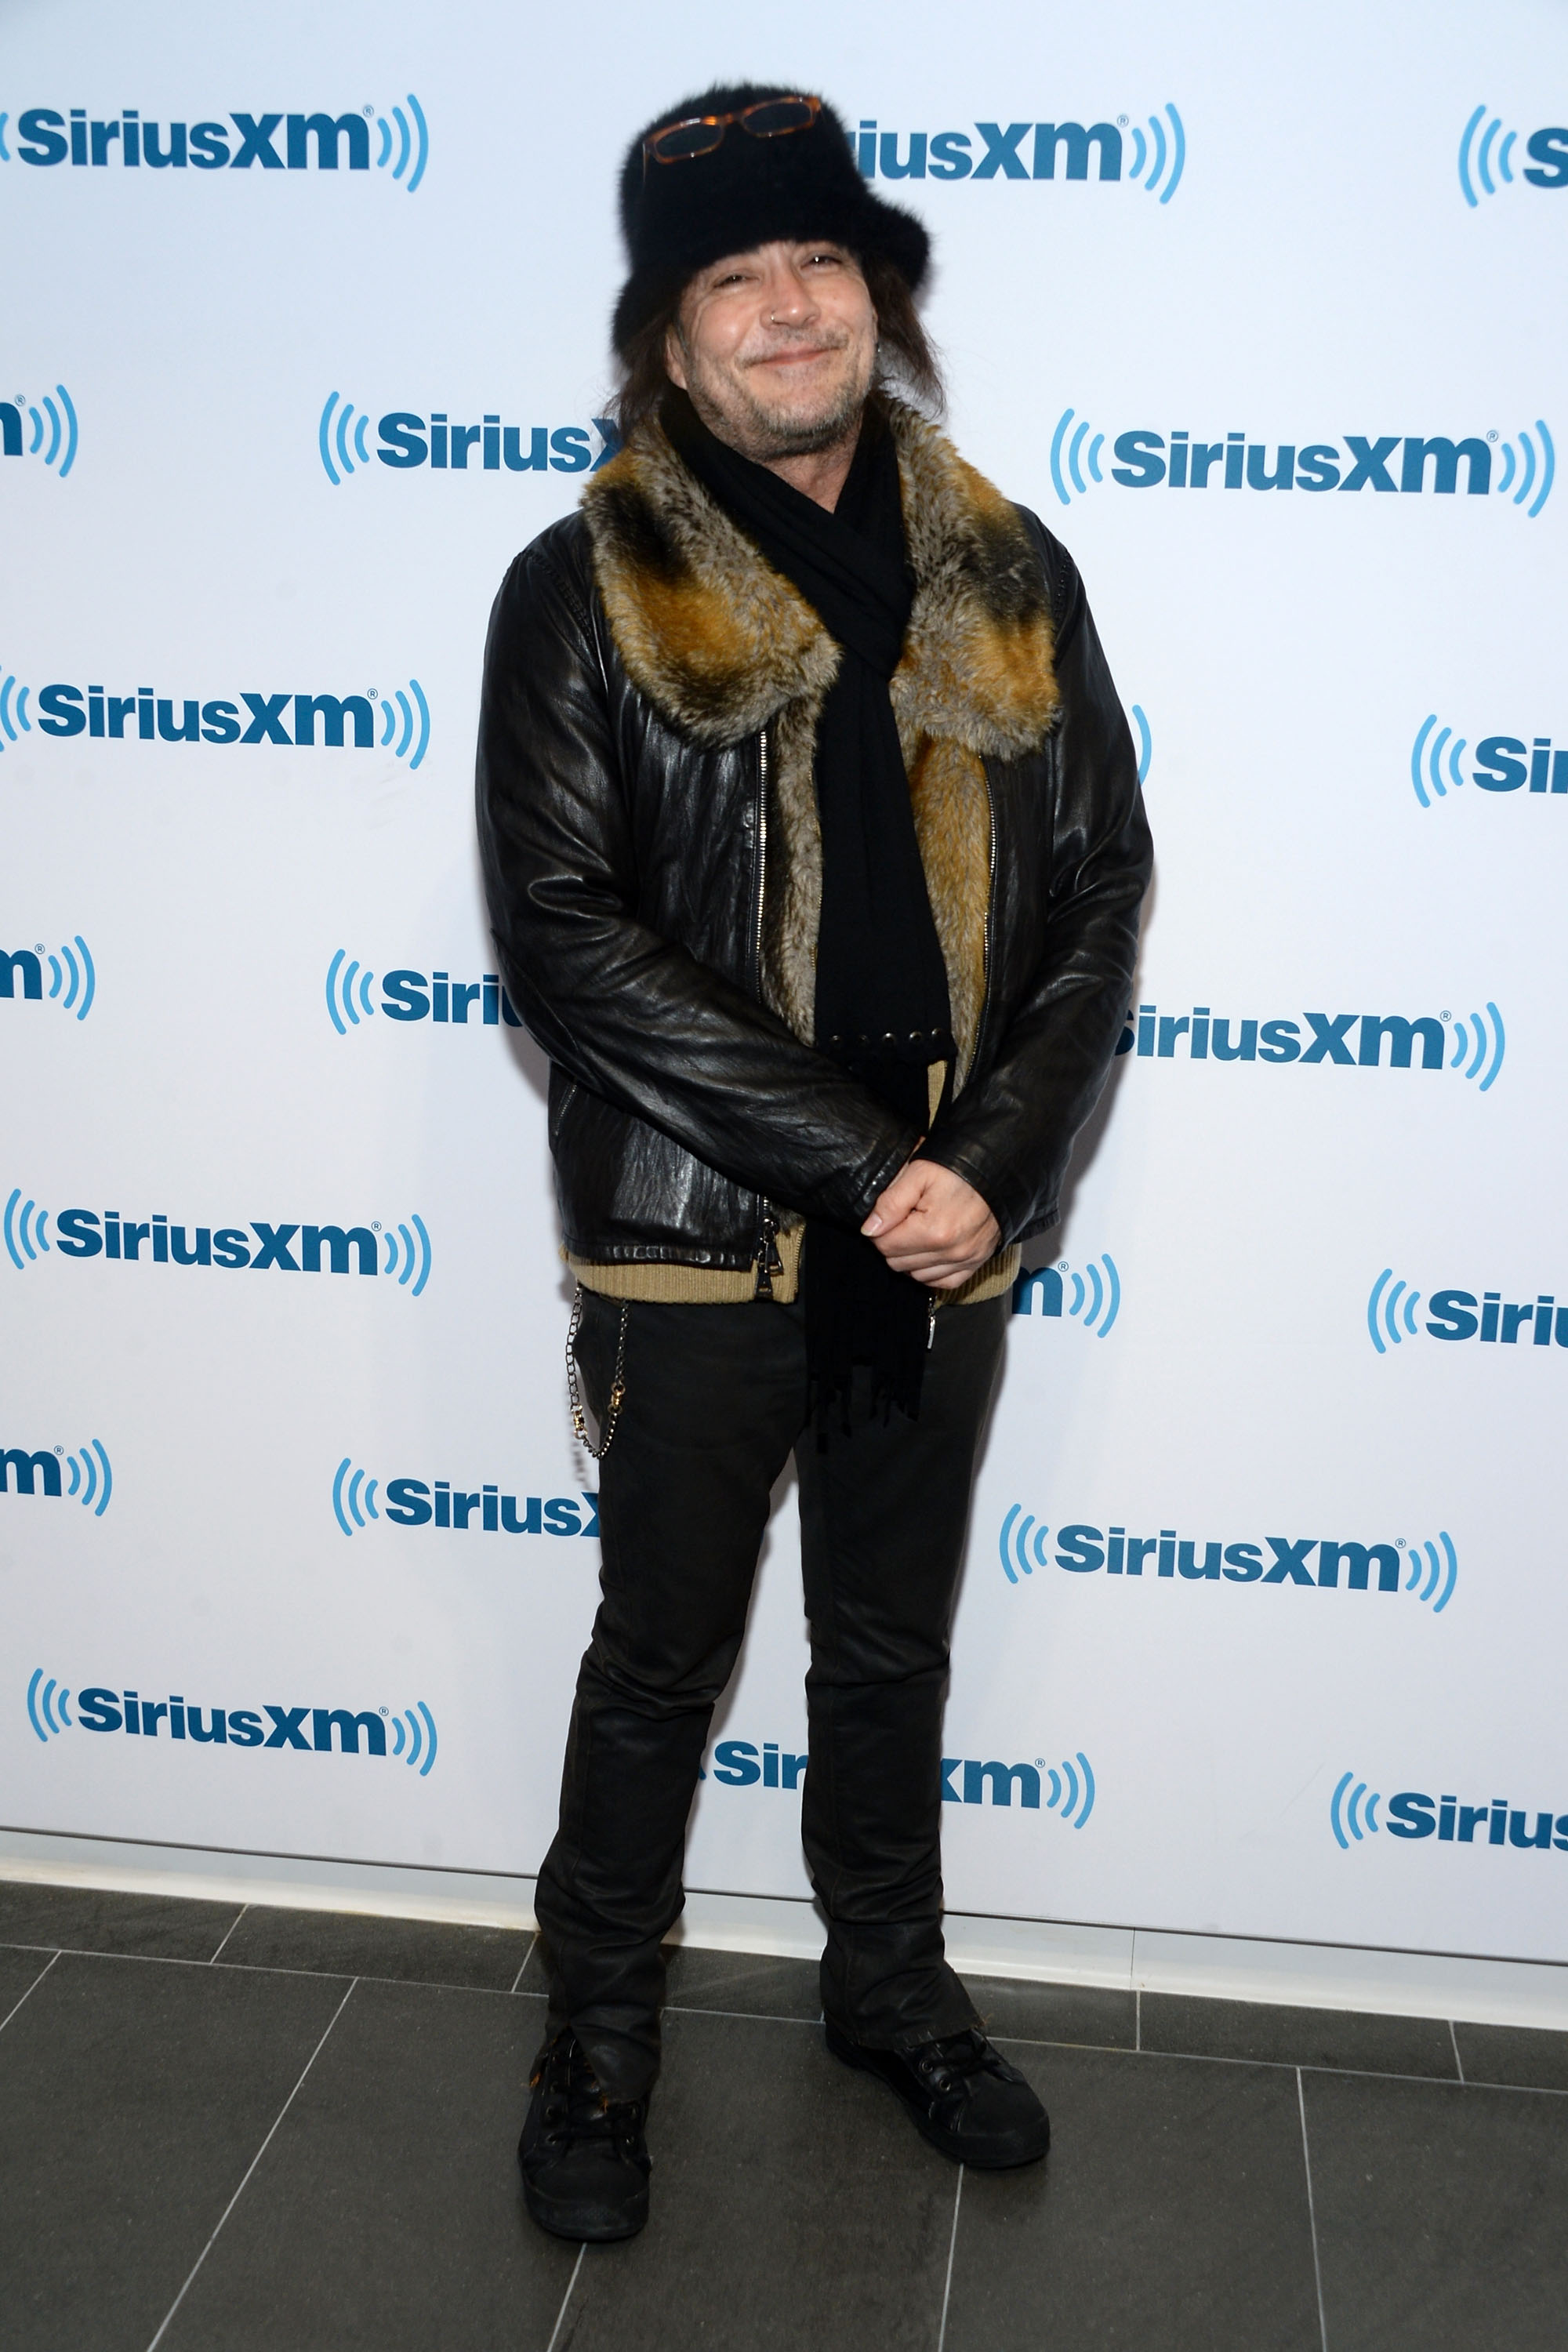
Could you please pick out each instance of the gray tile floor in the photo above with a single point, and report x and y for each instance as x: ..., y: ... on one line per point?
x: 225, y: 2129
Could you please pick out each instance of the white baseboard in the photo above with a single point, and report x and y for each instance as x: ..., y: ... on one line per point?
x: 1146, y: 1959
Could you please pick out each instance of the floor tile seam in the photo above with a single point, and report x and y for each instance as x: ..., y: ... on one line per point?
x: 1286, y: 2066
x: 179, y: 1960
x: 571, y: 2283
x: 250, y: 2169
x: 1311, y: 2212
x: 532, y: 1948
x: 23, y: 2000
x: 744, y: 2016
x: 367, y: 1976
x: 951, y: 2249
x: 233, y: 1924
x: 1454, y: 2038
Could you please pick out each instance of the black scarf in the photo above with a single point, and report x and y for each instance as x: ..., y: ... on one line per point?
x: 882, y: 1008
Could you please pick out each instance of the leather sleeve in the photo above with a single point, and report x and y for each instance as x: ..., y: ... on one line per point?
x: 628, y: 1013
x: 1010, y: 1133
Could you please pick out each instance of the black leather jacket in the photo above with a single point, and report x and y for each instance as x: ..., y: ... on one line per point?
x: 626, y: 864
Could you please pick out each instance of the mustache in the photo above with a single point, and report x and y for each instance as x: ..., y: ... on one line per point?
x: 826, y: 338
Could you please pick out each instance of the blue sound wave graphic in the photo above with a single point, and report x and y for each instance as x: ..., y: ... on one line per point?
x: 45, y: 1705
x: 1474, y: 1044
x: 415, y: 720
x: 1431, y: 752
x: 421, y: 1738
x: 404, y: 1254
x: 81, y: 977
x: 8, y: 725
x: 1095, y: 1297
x: 1392, y: 1311
x: 1431, y: 1567
x: 1156, y: 151
x: 1480, y: 154
x: 1072, y: 1790
x: 1357, y: 1812
x: 1077, y: 458
x: 416, y: 142
x: 348, y: 1498
x: 4, y: 151
x: 1527, y: 467
x: 1014, y: 1543
x: 60, y: 423
x: 1145, y: 744
x: 348, y: 992
x: 330, y: 436
x: 90, y: 1475
x: 23, y: 1224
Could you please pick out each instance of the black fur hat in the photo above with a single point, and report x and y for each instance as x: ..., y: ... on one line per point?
x: 677, y: 217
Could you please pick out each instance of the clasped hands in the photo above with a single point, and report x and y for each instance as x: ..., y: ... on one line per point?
x: 929, y: 1224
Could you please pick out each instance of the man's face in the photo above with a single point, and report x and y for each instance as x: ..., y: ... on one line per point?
x: 777, y: 348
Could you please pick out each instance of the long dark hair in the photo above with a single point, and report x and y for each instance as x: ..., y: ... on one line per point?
x: 905, y: 359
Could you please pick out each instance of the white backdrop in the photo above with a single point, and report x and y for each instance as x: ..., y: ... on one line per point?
x: 1320, y: 233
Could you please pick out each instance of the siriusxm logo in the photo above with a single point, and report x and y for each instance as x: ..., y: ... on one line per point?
x: 1031, y: 151
x: 419, y: 1503
x: 44, y: 137
x: 97, y: 1709
x: 408, y: 440
x: 82, y: 1233
x: 1068, y: 1789
x: 73, y: 979
x: 1504, y: 763
x: 91, y: 1478
x: 1071, y: 1786
x: 1365, y: 462
x: 1453, y: 1315
x: 1434, y: 1568
x: 57, y: 425
x: 1095, y: 1297
x: 1548, y: 150
x: 1352, y: 1813
x: 408, y: 995
x: 737, y: 1764
x: 1477, y: 1047
x: 297, y: 721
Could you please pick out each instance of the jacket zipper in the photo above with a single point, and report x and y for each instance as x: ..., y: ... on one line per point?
x: 769, y: 1262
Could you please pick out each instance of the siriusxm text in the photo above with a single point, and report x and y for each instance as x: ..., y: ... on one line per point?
x: 292, y: 720
x: 1504, y: 764
x: 318, y: 141
x: 1288, y: 1559
x: 1414, y: 1814
x: 992, y: 150
x: 406, y: 441
x: 82, y: 1232
x: 410, y: 996
x: 1366, y: 461
x: 1381, y: 1039
x: 418, y: 1502
x: 1462, y: 1314
x: 738, y: 1765
x: 314, y: 1730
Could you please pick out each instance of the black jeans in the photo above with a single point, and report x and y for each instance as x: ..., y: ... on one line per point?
x: 715, y: 1402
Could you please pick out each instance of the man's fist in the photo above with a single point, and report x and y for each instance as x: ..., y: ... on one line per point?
x: 930, y: 1224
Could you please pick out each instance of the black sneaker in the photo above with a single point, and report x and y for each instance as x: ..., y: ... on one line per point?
x: 961, y: 2094
x: 584, y: 2160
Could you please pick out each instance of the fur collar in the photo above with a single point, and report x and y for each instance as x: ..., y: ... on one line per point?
x: 720, y: 643
x: 723, y: 646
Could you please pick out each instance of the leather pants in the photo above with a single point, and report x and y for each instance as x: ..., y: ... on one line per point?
x: 715, y: 1402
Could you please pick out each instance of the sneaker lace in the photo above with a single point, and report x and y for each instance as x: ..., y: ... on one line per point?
x: 946, y: 2064
x: 575, y: 2109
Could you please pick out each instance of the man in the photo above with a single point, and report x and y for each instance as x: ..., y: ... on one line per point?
x: 815, y: 852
